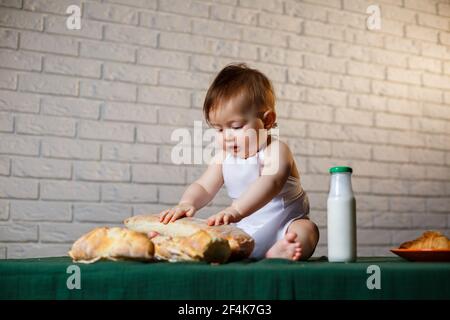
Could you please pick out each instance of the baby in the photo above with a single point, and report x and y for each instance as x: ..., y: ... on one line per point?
x: 257, y: 169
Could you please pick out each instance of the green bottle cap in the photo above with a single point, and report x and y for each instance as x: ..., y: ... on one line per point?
x: 340, y: 169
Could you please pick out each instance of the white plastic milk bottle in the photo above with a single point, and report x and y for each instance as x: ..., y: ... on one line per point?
x: 341, y: 216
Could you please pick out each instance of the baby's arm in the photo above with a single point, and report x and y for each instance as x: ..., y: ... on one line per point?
x: 278, y: 162
x: 198, y: 194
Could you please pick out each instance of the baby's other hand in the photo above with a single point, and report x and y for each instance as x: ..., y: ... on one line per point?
x: 179, y: 211
x: 226, y: 216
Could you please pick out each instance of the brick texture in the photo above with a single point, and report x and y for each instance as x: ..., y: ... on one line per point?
x: 86, y: 116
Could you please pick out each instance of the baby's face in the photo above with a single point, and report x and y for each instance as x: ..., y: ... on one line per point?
x: 237, y: 133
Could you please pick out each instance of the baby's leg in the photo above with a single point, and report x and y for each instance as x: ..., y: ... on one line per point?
x: 307, y: 234
x: 299, y: 241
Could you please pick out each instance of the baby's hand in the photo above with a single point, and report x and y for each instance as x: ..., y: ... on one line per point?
x: 226, y: 216
x: 179, y: 211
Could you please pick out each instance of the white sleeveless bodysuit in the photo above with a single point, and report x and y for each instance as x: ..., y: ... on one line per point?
x: 268, y: 224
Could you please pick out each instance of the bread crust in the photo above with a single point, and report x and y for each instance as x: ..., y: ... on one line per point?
x: 198, y: 247
x: 112, y: 244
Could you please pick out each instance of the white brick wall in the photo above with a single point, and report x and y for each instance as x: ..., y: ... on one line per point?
x: 86, y: 116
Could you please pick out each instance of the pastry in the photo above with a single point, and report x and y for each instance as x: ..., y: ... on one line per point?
x: 428, y: 240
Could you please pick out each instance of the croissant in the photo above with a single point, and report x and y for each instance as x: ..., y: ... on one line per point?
x: 112, y: 244
x: 428, y: 240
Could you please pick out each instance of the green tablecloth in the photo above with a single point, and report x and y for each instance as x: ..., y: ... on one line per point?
x: 46, y: 278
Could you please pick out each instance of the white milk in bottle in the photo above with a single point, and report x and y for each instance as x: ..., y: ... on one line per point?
x: 341, y: 216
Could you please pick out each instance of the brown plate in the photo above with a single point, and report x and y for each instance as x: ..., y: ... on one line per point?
x: 428, y: 255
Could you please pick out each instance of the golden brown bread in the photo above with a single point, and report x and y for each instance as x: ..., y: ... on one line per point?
x: 241, y: 244
x: 112, y: 244
x: 198, y: 247
x: 428, y: 240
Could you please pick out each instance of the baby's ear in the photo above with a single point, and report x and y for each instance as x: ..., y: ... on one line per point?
x: 269, y: 119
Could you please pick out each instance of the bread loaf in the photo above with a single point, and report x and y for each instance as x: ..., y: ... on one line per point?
x: 241, y: 244
x: 112, y: 244
x: 197, y: 247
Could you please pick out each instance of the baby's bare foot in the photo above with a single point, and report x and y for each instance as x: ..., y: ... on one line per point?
x: 286, y: 248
